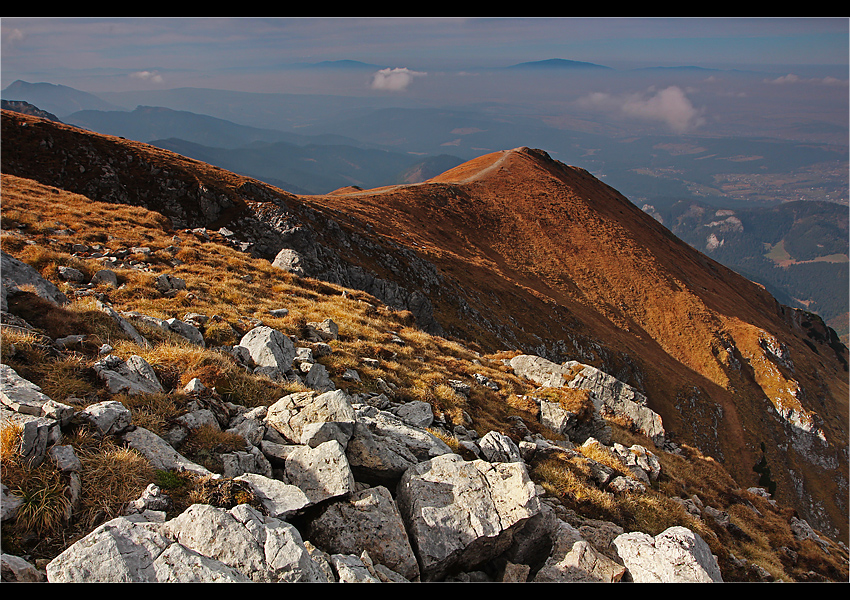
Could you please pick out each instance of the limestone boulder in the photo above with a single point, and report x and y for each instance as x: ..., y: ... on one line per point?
x: 382, y: 446
x: 108, y: 418
x: 279, y: 499
x: 133, y: 376
x: 497, y: 447
x: 23, y: 396
x: 17, y: 274
x: 460, y: 514
x: 290, y: 415
x: 160, y: 453
x: 676, y: 555
x: 575, y: 560
x: 321, y: 472
x: 37, y: 434
x: 204, y: 544
x: 269, y: 347
x: 367, y: 520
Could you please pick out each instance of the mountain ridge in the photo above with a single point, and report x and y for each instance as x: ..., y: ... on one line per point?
x: 492, y: 245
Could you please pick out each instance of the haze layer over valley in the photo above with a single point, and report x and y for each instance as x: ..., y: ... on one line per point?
x: 674, y: 139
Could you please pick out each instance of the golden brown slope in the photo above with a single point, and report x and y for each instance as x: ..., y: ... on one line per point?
x: 552, y: 253
x: 542, y: 257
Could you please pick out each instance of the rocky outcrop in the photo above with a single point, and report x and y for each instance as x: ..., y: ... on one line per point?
x: 16, y: 275
x: 317, y: 517
x: 461, y: 514
x: 609, y: 395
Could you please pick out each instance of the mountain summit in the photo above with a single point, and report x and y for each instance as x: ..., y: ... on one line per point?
x: 543, y: 256
x: 516, y: 251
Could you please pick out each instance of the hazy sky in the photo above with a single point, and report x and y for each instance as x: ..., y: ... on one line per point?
x: 100, y: 54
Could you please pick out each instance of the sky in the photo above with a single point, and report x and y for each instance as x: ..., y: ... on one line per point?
x: 257, y: 54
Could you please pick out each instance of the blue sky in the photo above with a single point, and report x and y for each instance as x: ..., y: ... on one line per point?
x: 237, y: 53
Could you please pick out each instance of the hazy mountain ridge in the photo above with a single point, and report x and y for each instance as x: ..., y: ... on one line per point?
x: 546, y: 256
x: 314, y: 169
x: 294, y: 162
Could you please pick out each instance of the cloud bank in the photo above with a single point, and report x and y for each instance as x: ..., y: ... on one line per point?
x: 791, y: 78
x: 670, y: 106
x: 394, y: 80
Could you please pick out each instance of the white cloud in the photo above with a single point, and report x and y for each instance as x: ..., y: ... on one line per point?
x: 670, y: 106
x: 12, y: 37
x: 394, y: 79
x: 151, y: 76
x: 790, y: 78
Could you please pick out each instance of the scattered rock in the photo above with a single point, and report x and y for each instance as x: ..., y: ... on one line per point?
x: 17, y: 274
x: 105, y: 276
x: 135, y: 376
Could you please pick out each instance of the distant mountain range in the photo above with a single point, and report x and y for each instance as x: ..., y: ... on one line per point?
x: 558, y: 63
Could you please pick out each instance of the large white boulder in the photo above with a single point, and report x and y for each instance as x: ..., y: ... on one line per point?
x: 269, y: 347
x: 676, y: 555
x: 204, y: 544
x: 460, y: 514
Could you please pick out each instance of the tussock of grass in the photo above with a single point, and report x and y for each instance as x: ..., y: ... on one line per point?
x: 68, y: 377
x: 576, y: 401
x: 112, y: 476
x: 45, y: 506
x: 155, y: 412
x: 570, y: 484
x: 206, y: 444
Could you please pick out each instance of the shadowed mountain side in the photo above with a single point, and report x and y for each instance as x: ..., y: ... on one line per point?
x: 516, y: 250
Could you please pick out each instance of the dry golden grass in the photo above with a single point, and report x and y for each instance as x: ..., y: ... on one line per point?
x: 236, y: 292
x: 223, y: 493
x: 68, y: 376
x: 112, y: 476
x: 155, y: 412
x: 44, y: 505
x: 10, y: 441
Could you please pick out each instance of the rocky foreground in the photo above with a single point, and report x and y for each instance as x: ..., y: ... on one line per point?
x: 339, y: 487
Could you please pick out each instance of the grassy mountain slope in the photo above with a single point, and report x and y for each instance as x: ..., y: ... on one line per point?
x: 41, y: 225
x: 798, y: 250
x: 541, y: 257
x: 551, y: 253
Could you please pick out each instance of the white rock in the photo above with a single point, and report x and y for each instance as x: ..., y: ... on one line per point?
x: 269, y: 348
x: 160, y: 453
x: 460, y: 514
x: 676, y: 555
x: 135, y: 376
